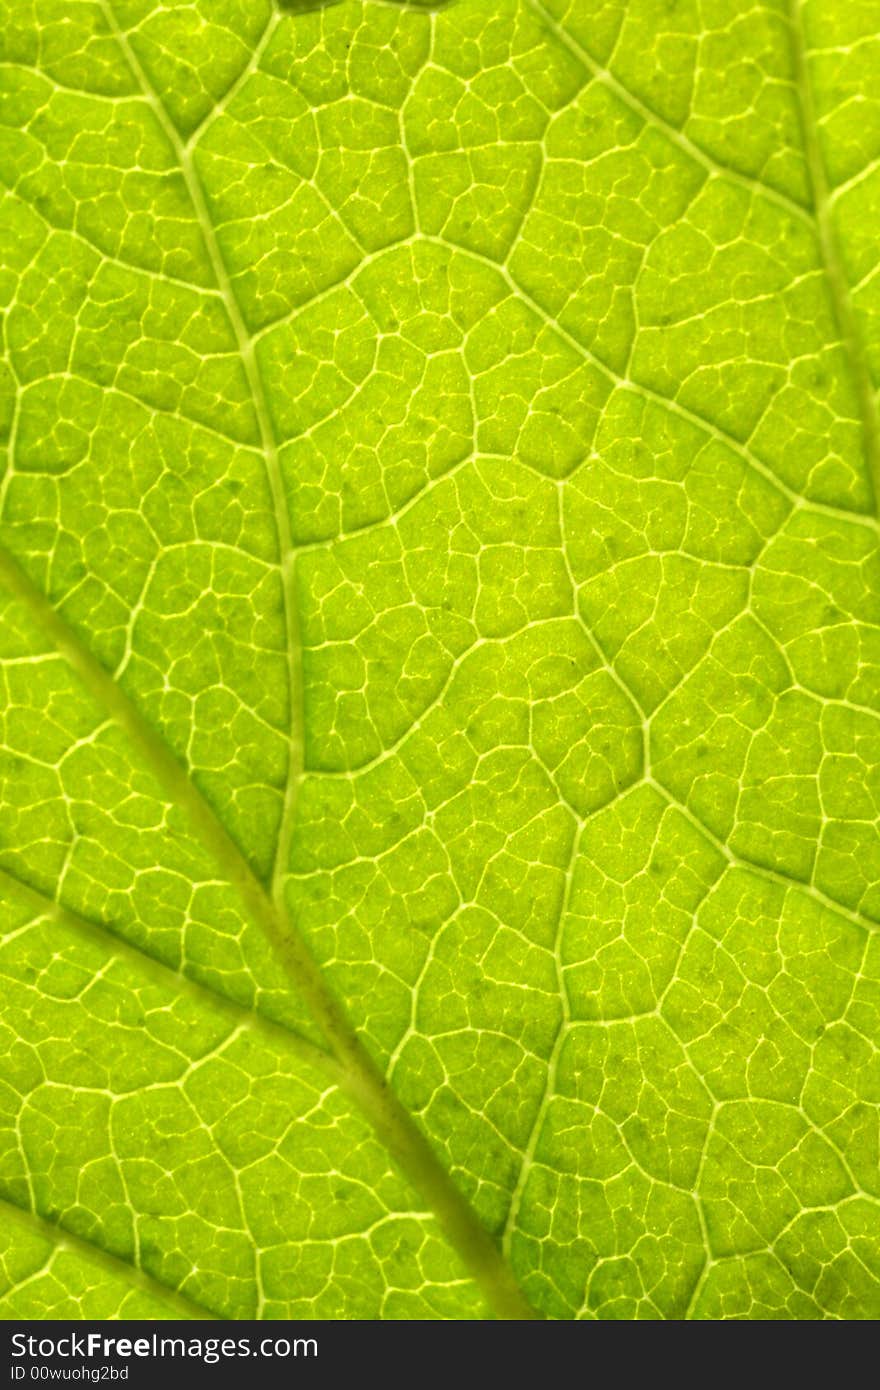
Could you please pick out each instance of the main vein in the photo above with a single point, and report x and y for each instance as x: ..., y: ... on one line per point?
x: 360, y: 1077
x: 832, y: 260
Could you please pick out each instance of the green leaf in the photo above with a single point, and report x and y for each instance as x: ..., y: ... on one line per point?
x: 440, y: 769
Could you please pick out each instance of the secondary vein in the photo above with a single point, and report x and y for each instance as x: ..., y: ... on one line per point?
x: 184, y: 153
x: 60, y: 1238
x: 239, y: 1015
x: 360, y: 1077
x: 653, y: 118
x: 832, y: 260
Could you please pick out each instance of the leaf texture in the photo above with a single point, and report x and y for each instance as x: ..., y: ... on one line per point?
x: 440, y: 767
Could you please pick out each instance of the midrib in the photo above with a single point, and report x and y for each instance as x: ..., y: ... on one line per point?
x: 832, y: 260
x: 359, y: 1076
x: 160, y: 757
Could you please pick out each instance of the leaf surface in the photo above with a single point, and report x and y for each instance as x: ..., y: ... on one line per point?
x: 440, y: 772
